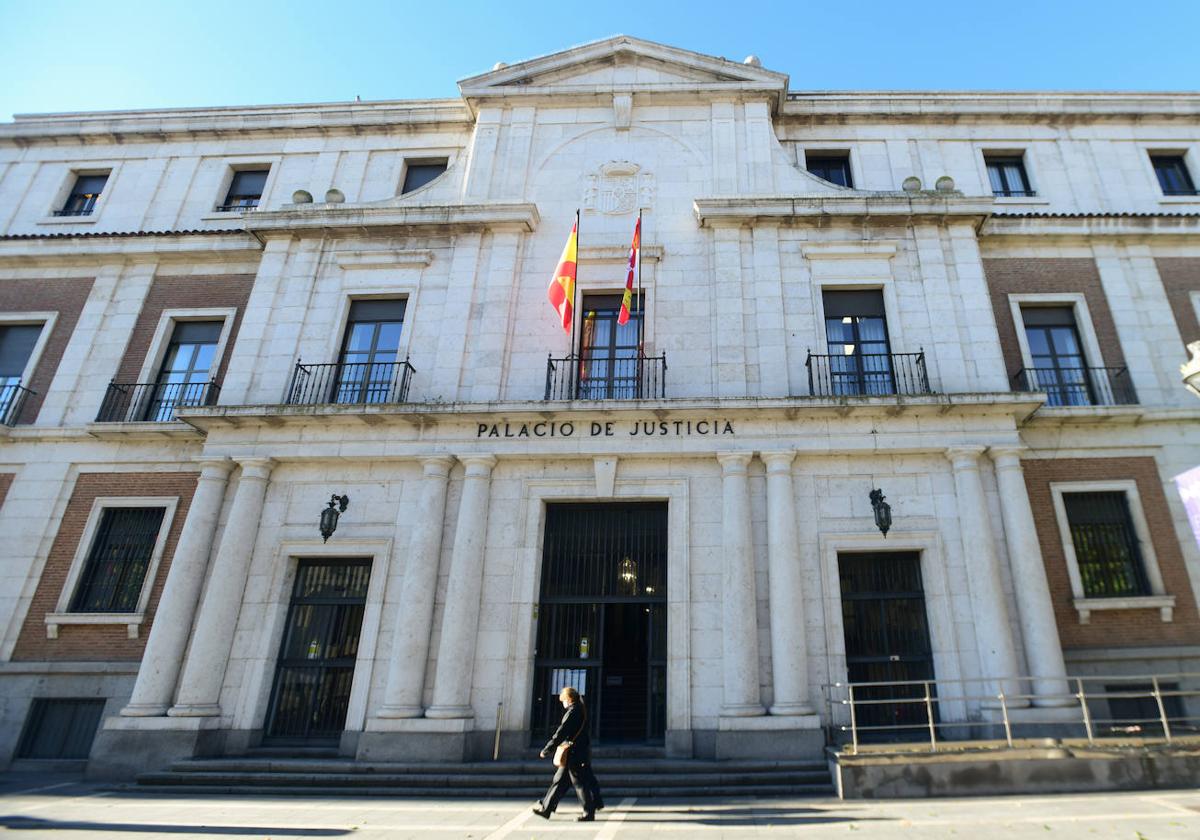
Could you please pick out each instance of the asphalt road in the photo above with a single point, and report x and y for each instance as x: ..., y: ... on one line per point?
x: 60, y: 807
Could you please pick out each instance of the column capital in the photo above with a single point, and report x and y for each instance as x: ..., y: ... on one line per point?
x: 1007, y: 455
x: 965, y: 457
x: 734, y: 463
x: 258, y: 469
x: 437, y: 466
x: 215, y: 466
x: 478, y: 466
x: 778, y: 460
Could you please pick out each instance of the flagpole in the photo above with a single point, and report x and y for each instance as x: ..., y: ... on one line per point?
x: 641, y: 310
x: 574, y: 287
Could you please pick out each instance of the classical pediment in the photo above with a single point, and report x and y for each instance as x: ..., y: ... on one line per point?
x: 621, y: 64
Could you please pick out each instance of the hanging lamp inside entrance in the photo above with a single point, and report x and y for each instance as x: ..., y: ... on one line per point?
x: 329, y: 517
x: 883, y: 511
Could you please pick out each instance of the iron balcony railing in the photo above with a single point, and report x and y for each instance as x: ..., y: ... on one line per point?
x: 237, y: 207
x: 606, y: 377
x: 925, y: 714
x: 153, y: 402
x: 12, y: 403
x: 82, y: 211
x: 1078, y: 385
x: 867, y: 375
x: 350, y: 383
x: 1014, y: 193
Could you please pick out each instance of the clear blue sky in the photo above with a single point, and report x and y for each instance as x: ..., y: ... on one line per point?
x: 67, y: 55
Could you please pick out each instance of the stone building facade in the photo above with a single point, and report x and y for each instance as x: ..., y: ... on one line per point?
x: 216, y: 319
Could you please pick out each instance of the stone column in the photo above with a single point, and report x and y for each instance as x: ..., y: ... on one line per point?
x: 1035, y: 611
x: 414, y: 614
x: 992, y: 631
x: 739, y: 614
x: 155, y: 686
x: 789, y: 653
x: 200, y: 686
x: 460, y: 619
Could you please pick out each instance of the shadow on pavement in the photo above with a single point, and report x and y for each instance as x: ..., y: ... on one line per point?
x: 36, y: 824
x: 753, y: 815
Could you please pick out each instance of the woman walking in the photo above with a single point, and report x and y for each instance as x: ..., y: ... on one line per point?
x: 575, y: 767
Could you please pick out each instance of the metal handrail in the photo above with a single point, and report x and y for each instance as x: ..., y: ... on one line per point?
x: 867, y: 375
x: 12, y: 403
x: 997, y: 698
x: 153, y: 402
x: 349, y: 383
x: 1078, y: 386
x: 602, y: 376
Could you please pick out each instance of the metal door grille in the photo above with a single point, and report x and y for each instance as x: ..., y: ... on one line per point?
x: 318, y: 652
x: 1106, y: 545
x: 59, y: 728
x: 596, y: 559
x: 116, y: 566
x: 887, y: 635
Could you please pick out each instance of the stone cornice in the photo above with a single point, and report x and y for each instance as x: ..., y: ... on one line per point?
x: 33, y: 249
x: 720, y: 211
x: 343, y: 219
x: 284, y: 120
x: 1045, y: 225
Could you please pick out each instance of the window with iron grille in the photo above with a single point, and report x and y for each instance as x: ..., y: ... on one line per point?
x: 418, y: 173
x: 245, y: 189
x: 112, y: 577
x: 59, y: 728
x: 1106, y: 545
x: 84, y: 195
x: 833, y: 167
x: 1173, y: 175
x: 1007, y: 175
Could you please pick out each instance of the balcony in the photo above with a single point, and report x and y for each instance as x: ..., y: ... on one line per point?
x: 606, y: 377
x: 1078, y: 386
x: 153, y: 402
x: 238, y: 206
x: 349, y: 383
x: 12, y: 402
x: 868, y: 375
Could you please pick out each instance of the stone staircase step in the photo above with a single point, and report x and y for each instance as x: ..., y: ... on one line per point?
x: 457, y: 794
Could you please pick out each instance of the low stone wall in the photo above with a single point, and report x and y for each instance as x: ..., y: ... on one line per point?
x: 1056, y: 769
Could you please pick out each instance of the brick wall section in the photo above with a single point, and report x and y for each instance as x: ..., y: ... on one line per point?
x: 1050, y: 276
x: 64, y: 296
x: 184, y: 293
x: 6, y: 480
x: 1118, y: 628
x: 107, y: 643
x: 1181, y: 277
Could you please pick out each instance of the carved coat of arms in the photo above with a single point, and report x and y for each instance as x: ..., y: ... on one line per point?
x: 619, y: 187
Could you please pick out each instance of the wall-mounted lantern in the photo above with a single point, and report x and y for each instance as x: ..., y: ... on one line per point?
x: 883, y: 511
x: 329, y: 516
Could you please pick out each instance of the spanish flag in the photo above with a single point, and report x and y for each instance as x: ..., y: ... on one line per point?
x: 634, y: 255
x: 562, y: 287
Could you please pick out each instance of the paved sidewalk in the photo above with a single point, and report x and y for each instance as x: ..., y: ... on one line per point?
x: 63, y: 808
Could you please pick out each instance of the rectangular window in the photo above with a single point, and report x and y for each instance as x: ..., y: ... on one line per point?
x: 608, y: 351
x: 1059, y: 367
x: 1173, y: 175
x: 1106, y: 545
x: 369, y: 370
x: 84, y: 195
x: 16, y: 346
x: 59, y: 728
x: 245, y: 190
x: 418, y: 173
x: 186, y: 373
x: 833, y: 167
x: 856, y: 338
x: 1007, y: 175
x: 111, y: 581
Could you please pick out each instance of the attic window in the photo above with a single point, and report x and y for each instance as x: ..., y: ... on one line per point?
x: 418, y: 173
x: 833, y: 167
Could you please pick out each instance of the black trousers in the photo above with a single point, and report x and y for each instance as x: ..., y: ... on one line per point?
x: 579, y: 776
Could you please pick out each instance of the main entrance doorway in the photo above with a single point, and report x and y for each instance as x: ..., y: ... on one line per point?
x: 602, y: 620
x: 320, y: 645
x: 887, y: 639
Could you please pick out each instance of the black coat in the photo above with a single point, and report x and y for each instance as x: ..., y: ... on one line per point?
x: 574, y: 728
